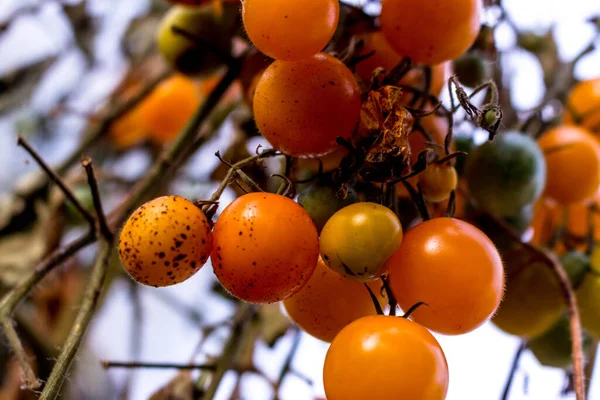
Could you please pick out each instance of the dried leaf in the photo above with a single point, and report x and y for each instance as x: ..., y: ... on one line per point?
x: 179, y: 388
x: 385, y: 126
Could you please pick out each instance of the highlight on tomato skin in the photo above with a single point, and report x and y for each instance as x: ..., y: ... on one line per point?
x: 265, y: 247
x: 384, y: 357
x: 165, y: 241
x: 423, y: 269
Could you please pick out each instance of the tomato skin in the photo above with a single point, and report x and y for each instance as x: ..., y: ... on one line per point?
x: 165, y: 241
x: 573, y: 162
x: 424, y: 269
x: 409, y: 25
x: 190, y: 57
x: 366, y: 358
x: 358, y: 239
x: 588, y: 296
x: 438, y: 181
x: 278, y: 27
x: 584, y: 102
x: 302, y: 107
x: 506, y: 174
x: 321, y: 202
x: 265, y: 248
x: 328, y: 302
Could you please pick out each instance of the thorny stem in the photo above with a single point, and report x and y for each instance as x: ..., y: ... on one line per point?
x: 513, y: 370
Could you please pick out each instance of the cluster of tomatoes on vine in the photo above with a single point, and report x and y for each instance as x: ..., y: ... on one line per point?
x: 333, y: 258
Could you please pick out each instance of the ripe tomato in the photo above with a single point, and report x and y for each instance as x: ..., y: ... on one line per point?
x: 357, y: 240
x: 265, y: 248
x: 302, y: 107
x: 430, y: 32
x: 424, y: 269
x: 532, y: 302
x: 329, y: 302
x: 321, y: 201
x: 129, y: 130
x: 199, y: 56
x: 506, y: 174
x: 437, y: 181
x: 573, y: 164
x: 386, y: 57
x: 166, y: 111
x: 583, y: 105
x: 165, y: 241
x: 366, y: 358
x: 278, y: 28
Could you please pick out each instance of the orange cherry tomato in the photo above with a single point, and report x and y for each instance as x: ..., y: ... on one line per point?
x: 278, y: 28
x: 430, y: 32
x: 329, y: 302
x: 438, y: 181
x: 583, y: 105
x: 265, y: 248
x: 573, y: 164
x: 302, y: 107
x: 166, y: 111
x: 129, y: 130
x: 385, y: 56
x: 454, y: 268
x: 165, y: 241
x: 366, y: 359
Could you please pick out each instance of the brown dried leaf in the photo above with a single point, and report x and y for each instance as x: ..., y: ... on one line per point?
x: 390, y: 124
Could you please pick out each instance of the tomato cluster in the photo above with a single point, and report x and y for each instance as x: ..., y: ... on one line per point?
x: 362, y: 121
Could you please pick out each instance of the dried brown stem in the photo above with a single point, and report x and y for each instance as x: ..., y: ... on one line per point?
x: 93, y: 183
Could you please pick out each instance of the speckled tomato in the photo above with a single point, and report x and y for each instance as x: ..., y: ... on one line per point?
x: 383, y: 358
x: 302, y: 107
x: 573, y: 162
x: 265, y: 248
x: 358, y: 239
x: 290, y: 29
x: 165, y: 241
x: 329, y: 302
x: 454, y: 268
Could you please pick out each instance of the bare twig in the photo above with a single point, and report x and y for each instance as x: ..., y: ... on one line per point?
x: 287, y: 364
x: 151, y: 365
x: 93, y: 183
x: 56, y: 179
x: 513, y: 370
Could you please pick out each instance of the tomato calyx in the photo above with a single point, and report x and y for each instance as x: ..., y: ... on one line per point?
x: 412, y: 309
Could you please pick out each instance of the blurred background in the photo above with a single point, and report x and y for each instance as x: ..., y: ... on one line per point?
x: 60, y: 62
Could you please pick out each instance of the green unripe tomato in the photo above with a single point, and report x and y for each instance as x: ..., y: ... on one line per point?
x: 553, y: 348
x: 522, y: 221
x: 321, y: 201
x: 471, y: 69
x: 588, y: 297
x: 206, y: 48
x: 358, y: 239
x: 506, y: 174
x: 576, y: 265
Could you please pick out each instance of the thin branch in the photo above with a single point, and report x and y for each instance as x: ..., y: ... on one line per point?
x: 84, y: 316
x: 151, y: 365
x: 93, y: 183
x: 513, y: 370
x: 288, y: 362
x: 56, y: 179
